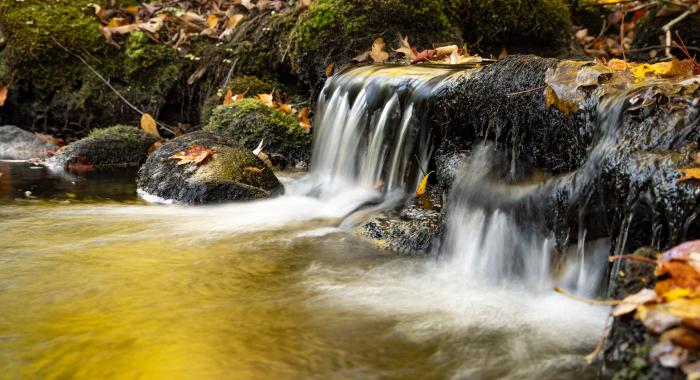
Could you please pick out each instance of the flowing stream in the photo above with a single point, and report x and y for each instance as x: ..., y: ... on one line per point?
x: 97, y: 283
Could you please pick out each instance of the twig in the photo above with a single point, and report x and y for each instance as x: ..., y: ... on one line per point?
x: 128, y: 103
x: 667, y: 28
x: 599, y: 346
x: 526, y: 91
x: 587, y: 300
x: 633, y: 258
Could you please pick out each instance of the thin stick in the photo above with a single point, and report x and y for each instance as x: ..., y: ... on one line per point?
x: 526, y: 91
x: 633, y: 258
x: 599, y: 346
x: 133, y: 107
x: 587, y: 300
x: 667, y: 28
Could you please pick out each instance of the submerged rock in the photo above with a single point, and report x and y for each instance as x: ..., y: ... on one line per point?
x: 18, y: 144
x: 231, y: 173
x: 247, y: 122
x: 120, y: 145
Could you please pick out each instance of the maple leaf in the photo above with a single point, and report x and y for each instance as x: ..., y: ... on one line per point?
x: 195, y: 153
x: 148, y: 124
x: 377, y: 53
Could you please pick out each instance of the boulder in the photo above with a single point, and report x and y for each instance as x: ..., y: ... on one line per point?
x: 229, y: 173
x: 18, y: 144
x: 120, y: 145
x: 247, y: 122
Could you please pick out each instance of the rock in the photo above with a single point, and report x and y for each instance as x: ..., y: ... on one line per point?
x: 18, y: 144
x: 247, y: 122
x: 120, y: 145
x: 233, y: 173
x: 411, y: 230
x: 247, y: 84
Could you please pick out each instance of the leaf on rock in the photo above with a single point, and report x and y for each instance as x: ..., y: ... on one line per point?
x: 422, y: 185
x: 378, y: 53
x: 286, y: 108
x: 425, y: 55
x: 445, y: 51
x: 503, y: 54
x: 3, y: 94
x: 155, y: 146
x: 689, y: 173
x: 212, y: 21
x: 304, y: 120
x: 233, y: 21
x: 196, y: 153
x: 265, y: 99
x: 252, y: 169
x: 228, y: 98
x: 551, y: 99
x: 148, y: 124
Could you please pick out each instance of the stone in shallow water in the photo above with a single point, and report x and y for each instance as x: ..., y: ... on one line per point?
x: 120, y: 145
x: 233, y: 173
x: 18, y: 144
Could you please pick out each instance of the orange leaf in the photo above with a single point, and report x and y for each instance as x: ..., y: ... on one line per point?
x: 132, y: 10
x: 265, y: 99
x: 689, y: 173
x: 195, y: 153
x: 329, y: 69
x: 212, y: 20
x: 304, y: 121
x: 155, y: 146
x: 3, y: 94
x: 228, y: 98
x: 286, y: 108
x: 148, y: 124
x: 424, y: 56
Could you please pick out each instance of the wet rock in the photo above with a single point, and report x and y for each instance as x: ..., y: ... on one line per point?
x: 120, y: 145
x: 247, y: 122
x: 232, y: 173
x: 18, y: 144
x: 410, y: 230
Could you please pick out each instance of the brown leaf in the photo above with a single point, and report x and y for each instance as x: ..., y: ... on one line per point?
x: 503, y: 54
x: 424, y: 56
x: 153, y: 25
x: 329, y: 69
x: 3, y: 94
x: 551, y: 99
x: 681, y: 252
x: 107, y: 34
x: 377, y: 53
x: 252, y: 169
x: 148, y: 124
x: 155, y: 146
x: 196, y: 153
x: 212, y: 21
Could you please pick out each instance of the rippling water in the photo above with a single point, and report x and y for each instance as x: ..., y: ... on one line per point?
x: 97, y: 284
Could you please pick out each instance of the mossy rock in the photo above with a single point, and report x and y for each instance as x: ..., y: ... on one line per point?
x: 247, y: 122
x: 648, y: 32
x: 334, y: 31
x: 243, y: 83
x: 120, y: 145
x: 232, y: 173
x: 532, y: 26
x: 55, y: 92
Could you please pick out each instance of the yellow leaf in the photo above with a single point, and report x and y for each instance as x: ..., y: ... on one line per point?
x: 445, y: 51
x: 678, y: 293
x: 3, y: 94
x: 617, y: 65
x: 117, y: 21
x: 423, y: 184
x: 228, y: 98
x: 265, y: 99
x: 377, y: 53
x: 551, y: 99
x: 286, y: 108
x: 148, y: 124
x: 689, y: 173
x: 233, y: 21
x: 212, y: 20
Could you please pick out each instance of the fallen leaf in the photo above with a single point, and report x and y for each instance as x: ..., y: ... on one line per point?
x: 551, y: 99
x: 656, y: 318
x: 377, y: 53
x: 228, y: 98
x: 445, y: 51
x: 265, y: 99
x: 361, y: 57
x: 153, y: 25
x: 329, y: 69
x: 117, y: 21
x: 286, y: 108
x: 196, y: 153
x: 422, y: 185
x: 632, y: 302
x: 155, y: 146
x: 212, y: 20
x: 3, y: 94
x: 148, y: 124
x: 132, y: 10
x: 503, y: 54
x: 681, y: 251
x: 233, y: 21
x: 424, y: 56
x: 252, y: 169
x: 304, y: 120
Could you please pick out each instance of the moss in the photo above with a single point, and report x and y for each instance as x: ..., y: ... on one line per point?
x: 333, y: 31
x: 243, y: 83
x: 247, y: 122
x: 230, y: 164
x: 541, y: 26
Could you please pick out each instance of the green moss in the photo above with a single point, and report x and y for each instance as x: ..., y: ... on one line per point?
x: 230, y: 164
x: 243, y: 83
x: 147, y: 62
x: 521, y: 25
x: 247, y: 122
x: 116, y: 145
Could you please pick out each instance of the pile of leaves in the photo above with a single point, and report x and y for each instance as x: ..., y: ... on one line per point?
x: 275, y: 101
x: 450, y: 54
x: 671, y: 309
x: 623, y: 16
x: 567, y: 84
x: 177, y: 22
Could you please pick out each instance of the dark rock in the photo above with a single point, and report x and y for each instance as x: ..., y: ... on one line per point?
x: 233, y: 173
x: 18, y: 144
x: 247, y: 122
x: 120, y: 145
x: 649, y: 34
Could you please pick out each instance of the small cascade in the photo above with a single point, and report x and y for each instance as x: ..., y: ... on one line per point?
x: 373, y: 130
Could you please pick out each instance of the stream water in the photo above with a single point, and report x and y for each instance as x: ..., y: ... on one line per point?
x: 97, y: 283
